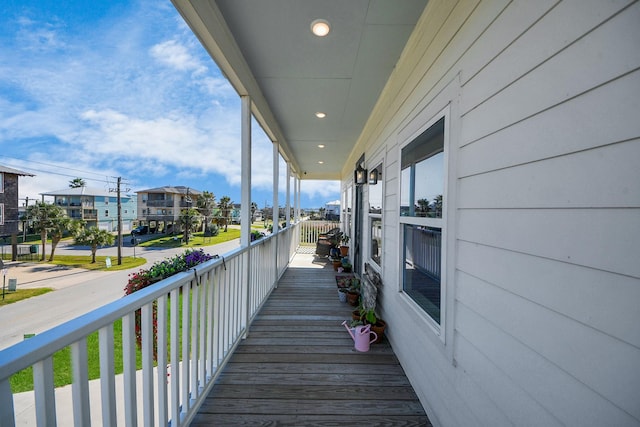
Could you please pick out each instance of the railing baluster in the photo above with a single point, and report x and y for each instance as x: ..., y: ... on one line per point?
x: 175, y: 365
x: 162, y: 404
x: 129, y: 369
x: 80, y: 386
x: 6, y: 409
x: 202, y: 338
x: 147, y: 363
x: 215, y: 356
x: 44, y: 392
x: 186, y: 335
x: 107, y: 380
x: 195, y: 314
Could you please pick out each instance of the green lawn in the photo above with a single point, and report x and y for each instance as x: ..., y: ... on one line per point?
x: 20, y: 294
x: 196, y: 240
x: 84, y: 261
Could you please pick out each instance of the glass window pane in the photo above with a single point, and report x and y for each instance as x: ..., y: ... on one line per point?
x: 421, y: 267
x: 429, y: 186
x: 376, y: 240
x: 375, y: 195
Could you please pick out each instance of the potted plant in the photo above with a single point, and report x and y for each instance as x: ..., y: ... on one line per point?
x: 344, y: 247
x: 377, y: 325
x: 353, y: 292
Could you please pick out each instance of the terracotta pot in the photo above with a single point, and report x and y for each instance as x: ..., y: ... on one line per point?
x: 337, y: 265
x: 379, y: 328
x: 353, y: 298
x: 344, y: 251
x: 355, y: 315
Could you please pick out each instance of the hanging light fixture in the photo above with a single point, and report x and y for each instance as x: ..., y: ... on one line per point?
x: 360, y: 175
x: 373, y: 177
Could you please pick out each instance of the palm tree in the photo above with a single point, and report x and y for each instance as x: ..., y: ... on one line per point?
x: 60, y: 226
x: 254, y: 209
x: 188, y: 221
x: 77, y: 182
x: 225, y: 209
x: 94, y: 237
x: 44, y: 218
x: 205, y: 204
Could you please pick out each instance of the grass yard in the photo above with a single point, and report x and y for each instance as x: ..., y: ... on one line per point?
x: 84, y: 261
x: 197, y: 239
x: 20, y: 294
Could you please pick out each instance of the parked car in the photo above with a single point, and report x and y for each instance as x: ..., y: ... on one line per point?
x: 141, y: 229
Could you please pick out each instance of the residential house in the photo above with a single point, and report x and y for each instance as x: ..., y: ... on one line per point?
x: 160, y: 208
x: 505, y: 215
x: 9, y: 218
x: 332, y: 210
x: 96, y: 207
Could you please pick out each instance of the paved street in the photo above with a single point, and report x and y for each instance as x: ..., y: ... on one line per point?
x: 77, y: 291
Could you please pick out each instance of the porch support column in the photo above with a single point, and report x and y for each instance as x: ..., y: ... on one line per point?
x: 287, y: 214
x: 245, y: 206
x: 275, y: 210
x: 297, y: 192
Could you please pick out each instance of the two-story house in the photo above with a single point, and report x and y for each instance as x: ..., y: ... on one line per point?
x: 159, y: 208
x: 9, y: 217
x: 97, y: 207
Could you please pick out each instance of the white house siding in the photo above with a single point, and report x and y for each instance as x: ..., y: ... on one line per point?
x: 543, y: 274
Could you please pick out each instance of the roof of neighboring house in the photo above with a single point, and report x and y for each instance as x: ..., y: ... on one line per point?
x: 5, y: 169
x: 83, y: 191
x: 179, y: 189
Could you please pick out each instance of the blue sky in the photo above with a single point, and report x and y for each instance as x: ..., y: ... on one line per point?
x: 101, y: 89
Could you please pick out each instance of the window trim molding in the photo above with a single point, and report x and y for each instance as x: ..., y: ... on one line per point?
x: 447, y: 277
x: 378, y: 160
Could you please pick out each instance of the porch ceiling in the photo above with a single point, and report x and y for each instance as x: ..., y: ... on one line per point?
x: 267, y: 51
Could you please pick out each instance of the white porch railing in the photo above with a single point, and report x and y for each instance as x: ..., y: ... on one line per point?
x: 219, y: 301
x: 311, y: 230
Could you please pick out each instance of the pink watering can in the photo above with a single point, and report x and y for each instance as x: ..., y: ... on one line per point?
x: 361, y: 336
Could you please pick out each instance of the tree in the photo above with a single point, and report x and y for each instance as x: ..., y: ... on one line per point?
x: 94, y: 237
x: 225, y: 210
x: 62, y: 225
x: 77, y: 183
x: 205, y: 204
x: 188, y: 221
x: 254, y: 209
x: 44, y: 218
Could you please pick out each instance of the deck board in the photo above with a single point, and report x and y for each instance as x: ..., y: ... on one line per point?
x: 298, y: 366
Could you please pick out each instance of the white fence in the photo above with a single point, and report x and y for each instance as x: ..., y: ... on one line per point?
x: 310, y: 230
x: 193, y: 341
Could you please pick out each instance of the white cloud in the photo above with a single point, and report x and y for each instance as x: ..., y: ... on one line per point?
x: 176, y: 55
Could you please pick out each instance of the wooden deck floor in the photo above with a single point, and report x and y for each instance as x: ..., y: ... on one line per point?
x: 298, y: 367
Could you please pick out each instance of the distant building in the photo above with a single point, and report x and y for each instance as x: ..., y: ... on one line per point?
x: 332, y: 210
x: 97, y: 207
x: 160, y: 207
x: 9, y: 217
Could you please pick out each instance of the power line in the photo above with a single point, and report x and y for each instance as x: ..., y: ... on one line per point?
x: 32, y: 169
x: 53, y: 166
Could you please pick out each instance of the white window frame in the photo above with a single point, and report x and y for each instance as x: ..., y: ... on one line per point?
x: 1, y: 182
x: 1, y: 213
x: 441, y: 223
x: 379, y: 161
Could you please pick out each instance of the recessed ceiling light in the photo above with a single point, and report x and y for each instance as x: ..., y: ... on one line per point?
x: 321, y: 162
x: 320, y: 145
x: 320, y: 27
x: 321, y: 115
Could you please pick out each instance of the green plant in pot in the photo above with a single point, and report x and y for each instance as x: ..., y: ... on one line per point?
x: 353, y: 292
x: 344, y: 245
x: 377, y: 325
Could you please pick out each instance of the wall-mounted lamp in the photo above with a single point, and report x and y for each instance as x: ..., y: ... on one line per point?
x: 360, y: 175
x: 373, y: 176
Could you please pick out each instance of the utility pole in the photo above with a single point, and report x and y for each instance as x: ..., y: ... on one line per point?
x: 119, y: 224
x: 119, y: 203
